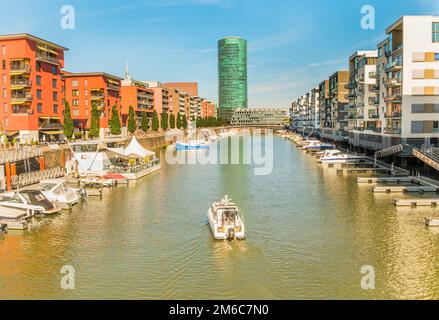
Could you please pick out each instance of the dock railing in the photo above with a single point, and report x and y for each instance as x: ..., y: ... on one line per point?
x: 21, y: 153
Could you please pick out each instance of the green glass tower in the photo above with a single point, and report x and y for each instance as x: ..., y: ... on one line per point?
x: 232, y: 71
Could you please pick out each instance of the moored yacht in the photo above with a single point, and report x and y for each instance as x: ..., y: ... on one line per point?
x: 57, y: 191
x: 336, y: 156
x: 316, y: 145
x: 224, y: 220
x: 192, y: 145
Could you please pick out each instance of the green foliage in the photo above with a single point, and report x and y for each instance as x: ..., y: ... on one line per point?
x: 210, y: 122
x: 132, y: 125
x: 144, y: 122
x: 172, y: 121
x: 164, y: 121
x: 184, y: 122
x: 114, y: 122
x: 155, y: 122
x: 68, y: 121
x: 95, y: 125
x: 179, y: 121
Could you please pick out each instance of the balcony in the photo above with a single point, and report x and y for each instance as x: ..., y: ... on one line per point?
x: 21, y: 83
x: 21, y: 110
x: 374, y: 88
x: 395, y: 82
x: 394, y: 66
x: 21, y: 97
x: 374, y: 116
x: 393, y: 98
x: 113, y: 87
x: 20, y: 68
x: 394, y: 115
x: 374, y: 75
x: 97, y: 95
x: 45, y: 57
x: 392, y: 131
x: 374, y: 101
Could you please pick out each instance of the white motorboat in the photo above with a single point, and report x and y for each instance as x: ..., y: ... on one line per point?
x: 98, y: 182
x: 316, y: 145
x: 57, y: 191
x: 336, y: 156
x: 192, y: 145
x: 224, y: 220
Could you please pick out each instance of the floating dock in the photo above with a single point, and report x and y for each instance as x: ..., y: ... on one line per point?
x: 432, y: 222
x: 417, y: 202
x: 406, y: 189
x: 397, y: 180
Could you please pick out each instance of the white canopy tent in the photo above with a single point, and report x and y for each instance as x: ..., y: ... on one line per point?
x: 134, y: 149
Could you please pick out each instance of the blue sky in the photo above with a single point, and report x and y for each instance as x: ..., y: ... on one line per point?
x: 293, y: 45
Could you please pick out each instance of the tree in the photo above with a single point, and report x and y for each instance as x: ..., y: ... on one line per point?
x: 179, y: 121
x: 144, y: 122
x: 184, y: 122
x: 132, y: 125
x: 155, y: 122
x: 172, y: 121
x: 68, y: 121
x: 114, y: 122
x: 164, y: 121
x: 95, y: 122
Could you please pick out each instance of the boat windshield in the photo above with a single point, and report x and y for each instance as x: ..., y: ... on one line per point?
x: 47, y: 186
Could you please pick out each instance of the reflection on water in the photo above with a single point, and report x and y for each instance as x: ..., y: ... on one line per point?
x: 309, y: 233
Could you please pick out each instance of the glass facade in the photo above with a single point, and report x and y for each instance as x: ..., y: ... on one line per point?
x: 232, y: 70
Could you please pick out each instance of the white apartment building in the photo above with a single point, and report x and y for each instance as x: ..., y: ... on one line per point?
x: 410, y: 93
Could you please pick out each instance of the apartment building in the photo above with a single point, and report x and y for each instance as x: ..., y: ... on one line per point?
x: 191, y: 88
x: 324, y: 104
x: 31, y: 87
x: 84, y: 91
x: 337, y: 118
x: 136, y: 94
x: 410, y: 73
x: 207, y: 109
x: 162, y: 96
x: 363, y: 108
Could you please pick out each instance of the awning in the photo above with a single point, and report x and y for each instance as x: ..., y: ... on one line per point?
x: 16, y: 103
x: 51, y: 51
x: 49, y: 118
x: 11, y: 133
x: 113, y: 81
x: 53, y: 132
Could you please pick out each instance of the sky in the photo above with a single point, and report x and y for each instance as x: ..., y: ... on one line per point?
x: 293, y: 45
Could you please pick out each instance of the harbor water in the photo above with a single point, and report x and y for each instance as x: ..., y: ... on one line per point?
x: 309, y: 234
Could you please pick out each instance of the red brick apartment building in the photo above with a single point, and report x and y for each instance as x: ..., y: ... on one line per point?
x: 85, y: 90
x: 30, y: 87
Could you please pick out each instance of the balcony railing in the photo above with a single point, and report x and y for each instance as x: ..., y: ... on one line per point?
x: 97, y: 96
x: 21, y: 97
x: 21, y: 68
x: 374, y: 116
x: 21, y: 110
x: 48, y: 58
x: 21, y: 82
x: 393, y: 98
x: 393, y: 82
x: 394, y: 65
x: 395, y: 114
x: 392, y: 130
x: 373, y: 75
x: 113, y: 87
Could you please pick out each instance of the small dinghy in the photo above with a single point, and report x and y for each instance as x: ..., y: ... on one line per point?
x: 225, y: 222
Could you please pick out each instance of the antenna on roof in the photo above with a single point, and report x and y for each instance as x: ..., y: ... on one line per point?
x: 127, y: 72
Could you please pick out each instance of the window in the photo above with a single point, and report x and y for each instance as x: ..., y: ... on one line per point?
x: 5, y: 93
x: 54, y: 83
x: 6, y: 122
x: 38, y: 66
x: 417, y: 126
x: 86, y: 103
x: 75, y: 112
x: 74, y: 83
x: 75, y: 102
x: 39, y: 94
x: 436, y: 56
x: 39, y: 108
x: 55, y: 108
x: 38, y: 80
x: 4, y: 64
x: 5, y: 107
x: 435, y: 31
x: 55, y: 96
x: 4, y: 79
x: 86, y: 92
x: 54, y: 70
x: 85, y: 82
x: 3, y: 50
x: 75, y: 92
